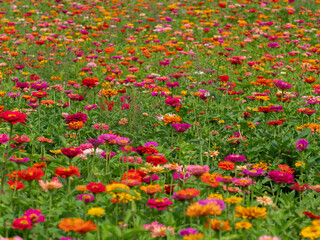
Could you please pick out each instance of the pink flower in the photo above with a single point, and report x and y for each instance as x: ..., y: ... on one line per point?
x: 281, y: 177
x: 243, y: 182
x: 197, y: 170
x: 159, y: 203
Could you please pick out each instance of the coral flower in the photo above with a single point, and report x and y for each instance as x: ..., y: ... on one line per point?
x: 226, y: 165
x: 77, y: 225
x: 159, y: 203
x: 13, y: 117
x: 31, y: 174
x: 54, y: 184
x: 250, y: 212
x: 211, y: 179
x: 186, y: 194
x: 67, y: 172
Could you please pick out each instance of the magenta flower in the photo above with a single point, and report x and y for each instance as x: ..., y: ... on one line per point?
x: 181, y: 127
x: 301, y: 145
x: 188, y: 231
x: 181, y: 175
x: 85, y: 197
x: 95, y: 142
x: 235, y: 158
x: 281, y: 177
x: 34, y: 215
x: 90, y: 107
x: 159, y: 203
x: 19, y: 160
x: 4, y: 138
x: 282, y: 85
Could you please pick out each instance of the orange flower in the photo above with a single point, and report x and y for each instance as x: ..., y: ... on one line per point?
x: 109, y: 49
x: 218, y: 224
x: 76, y: 125
x: 210, y: 179
x: 226, y: 165
x: 151, y: 189
x: 77, y: 225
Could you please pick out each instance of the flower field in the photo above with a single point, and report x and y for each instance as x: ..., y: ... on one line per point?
x: 159, y: 119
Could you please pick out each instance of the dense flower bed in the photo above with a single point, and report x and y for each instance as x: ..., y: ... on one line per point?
x: 159, y: 119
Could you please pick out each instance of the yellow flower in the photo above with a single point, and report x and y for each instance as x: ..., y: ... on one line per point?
x: 113, y: 186
x: 2, y: 93
x: 193, y: 236
x: 233, y: 200
x: 56, y: 151
x: 125, y: 197
x: 243, y: 225
x: 221, y: 121
x: 299, y: 164
x: 250, y: 212
x: 96, y: 211
x: 184, y: 93
x: 311, y: 232
x: 195, y: 209
x: 215, y: 196
x: 109, y: 92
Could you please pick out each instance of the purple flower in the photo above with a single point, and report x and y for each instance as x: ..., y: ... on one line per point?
x: 107, y: 137
x: 4, y: 138
x: 85, y: 197
x: 235, y: 158
x: 95, y: 142
x: 181, y: 127
x: 301, y: 145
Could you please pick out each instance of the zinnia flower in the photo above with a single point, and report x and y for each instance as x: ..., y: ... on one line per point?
x: 159, y: 203
x: 250, y: 212
x: 281, y: 177
x: 13, y: 117
x: 301, y: 145
x: 197, y: 170
x: 181, y: 127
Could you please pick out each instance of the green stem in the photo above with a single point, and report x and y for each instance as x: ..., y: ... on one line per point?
x: 6, y: 157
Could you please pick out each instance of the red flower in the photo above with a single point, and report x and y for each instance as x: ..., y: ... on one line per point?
x: 146, y: 150
x: 15, y: 185
x: 71, y: 152
x: 223, y: 78
x: 90, y: 82
x: 156, y: 160
x: 31, y: 174
x: 22, y: 223
x: 77, y: 117
x: 96, y: 187
x: 13, y: 117
x: 69, y: 171
x: 39, y: 94
x: 311, y: 215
